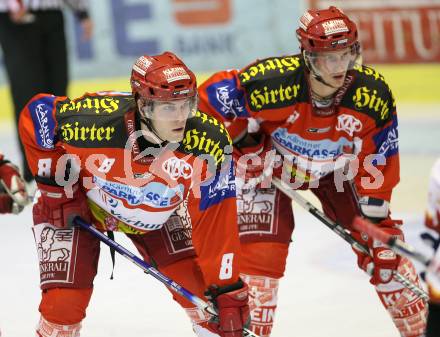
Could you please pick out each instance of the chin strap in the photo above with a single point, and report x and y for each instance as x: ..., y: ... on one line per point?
x: 147, y: 122
x: 320, y: 79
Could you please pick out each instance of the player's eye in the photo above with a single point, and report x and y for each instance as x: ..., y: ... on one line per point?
x: 168, y: 107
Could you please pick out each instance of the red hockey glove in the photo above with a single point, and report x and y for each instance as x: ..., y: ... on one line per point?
x: 231, y: 303
x: 254, y: 161
x: 56, y: 207
x: 383, y: 261
x: 13, y: 196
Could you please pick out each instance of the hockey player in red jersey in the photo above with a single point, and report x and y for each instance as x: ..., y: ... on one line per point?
x: 13, y: 195
x: 432, y: 221
x: 316, y: 109
x: 128, y: 162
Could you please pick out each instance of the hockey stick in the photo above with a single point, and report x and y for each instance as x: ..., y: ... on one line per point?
x: 148, y: 269
x: 397, y: 245
x: 343, y: 233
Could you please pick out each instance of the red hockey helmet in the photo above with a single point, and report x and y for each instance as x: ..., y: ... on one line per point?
x: 162, y: 77
x: 326, y: 30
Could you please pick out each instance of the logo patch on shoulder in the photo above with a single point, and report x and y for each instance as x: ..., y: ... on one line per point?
x: 44, y: 123
x: 227, y: 99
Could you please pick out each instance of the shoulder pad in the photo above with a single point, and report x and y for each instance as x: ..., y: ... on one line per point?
x: 226, y: 98
x: 94, y: 120
x: 370, y: 94
x: 274, y: 82
x: 205, y: 135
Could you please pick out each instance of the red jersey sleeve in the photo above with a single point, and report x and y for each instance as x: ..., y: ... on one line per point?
x: 379, y: 169
x: 38, y: 130
x: 215, y: 231
x: 222, y: 96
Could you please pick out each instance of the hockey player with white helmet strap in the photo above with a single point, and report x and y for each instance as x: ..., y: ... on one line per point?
x: 133, y: 164
x: 318, y: 110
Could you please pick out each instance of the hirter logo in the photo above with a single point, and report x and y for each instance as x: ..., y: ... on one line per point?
x: 348, y: 124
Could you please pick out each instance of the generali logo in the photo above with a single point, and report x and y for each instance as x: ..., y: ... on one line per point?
x: 177, y: 168
x: 349, y: 124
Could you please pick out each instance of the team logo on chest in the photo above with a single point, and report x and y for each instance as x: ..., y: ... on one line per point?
x: 349, y: 124
x: 177, y: 168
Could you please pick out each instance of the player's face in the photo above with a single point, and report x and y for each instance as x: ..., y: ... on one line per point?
x: 169, y: 118
x: 333, y: 66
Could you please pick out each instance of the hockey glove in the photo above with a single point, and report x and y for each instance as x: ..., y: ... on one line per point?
x: 382, y: 261
x: 13, y: 195
x: 56, y: 207
x: 231, y: 303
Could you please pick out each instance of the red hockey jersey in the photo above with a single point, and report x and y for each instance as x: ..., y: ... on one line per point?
x: 275, y: 93
x: 132, y: 186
